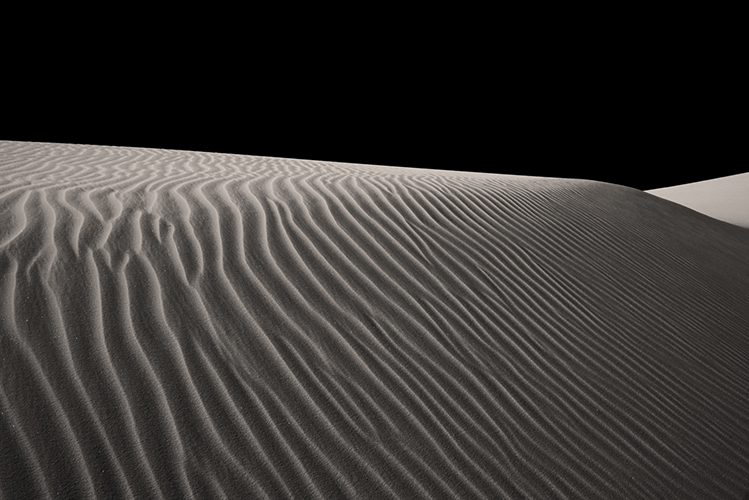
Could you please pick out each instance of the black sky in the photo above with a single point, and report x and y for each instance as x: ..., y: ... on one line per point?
x: 645, y: 103
x: 644, y: 139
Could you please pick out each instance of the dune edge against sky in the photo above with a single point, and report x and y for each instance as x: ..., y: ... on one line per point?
x: 723, y: 198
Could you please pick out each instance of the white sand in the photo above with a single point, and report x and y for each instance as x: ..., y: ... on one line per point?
x: 724, y: 198
x: 177, y: 324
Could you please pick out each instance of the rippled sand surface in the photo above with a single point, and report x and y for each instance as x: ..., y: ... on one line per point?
x: 178, y: 324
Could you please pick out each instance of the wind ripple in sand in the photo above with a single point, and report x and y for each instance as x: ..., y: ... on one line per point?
x: 178, y: 324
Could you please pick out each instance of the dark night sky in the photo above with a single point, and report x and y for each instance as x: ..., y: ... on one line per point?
x: 645, y: 107
x: 643, y: 139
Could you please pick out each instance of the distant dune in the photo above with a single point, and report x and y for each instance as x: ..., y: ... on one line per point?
x: 724, y: 198
x: 178, y: 324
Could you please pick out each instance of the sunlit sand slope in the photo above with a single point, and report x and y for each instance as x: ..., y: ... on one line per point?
x: 724, y: 198
x: 191, y: 325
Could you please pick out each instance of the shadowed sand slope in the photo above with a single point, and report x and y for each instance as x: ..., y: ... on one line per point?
x: 178, y: 324
x: 724, y: 198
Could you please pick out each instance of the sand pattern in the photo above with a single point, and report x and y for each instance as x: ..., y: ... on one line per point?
x: 192, y: 325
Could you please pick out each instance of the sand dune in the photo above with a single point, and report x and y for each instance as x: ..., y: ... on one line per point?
x: 724, y: 198
x: 191, y: 325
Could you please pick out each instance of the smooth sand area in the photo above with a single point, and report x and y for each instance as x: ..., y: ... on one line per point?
x: 177, y: 324
x: 724, y: 198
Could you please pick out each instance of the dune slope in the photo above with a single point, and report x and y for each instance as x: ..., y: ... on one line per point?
x: 191, y: 325
x: 723, y: 198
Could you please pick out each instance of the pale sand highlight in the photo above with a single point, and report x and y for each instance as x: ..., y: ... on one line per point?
x: 191, y: 325
x: 724, y: 198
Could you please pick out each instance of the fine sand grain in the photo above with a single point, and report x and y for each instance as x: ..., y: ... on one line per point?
x: 178, y: 324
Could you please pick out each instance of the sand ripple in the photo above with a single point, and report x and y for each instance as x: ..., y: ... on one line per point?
x: 190, y: 325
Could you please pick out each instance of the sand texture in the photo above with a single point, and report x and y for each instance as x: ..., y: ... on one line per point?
x: 191, y: 325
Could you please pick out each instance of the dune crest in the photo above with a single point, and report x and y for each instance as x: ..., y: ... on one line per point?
x: 723, y: 198
x: 179, y: 324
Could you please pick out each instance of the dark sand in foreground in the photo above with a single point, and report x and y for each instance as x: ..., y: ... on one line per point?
x: 190, y: 325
